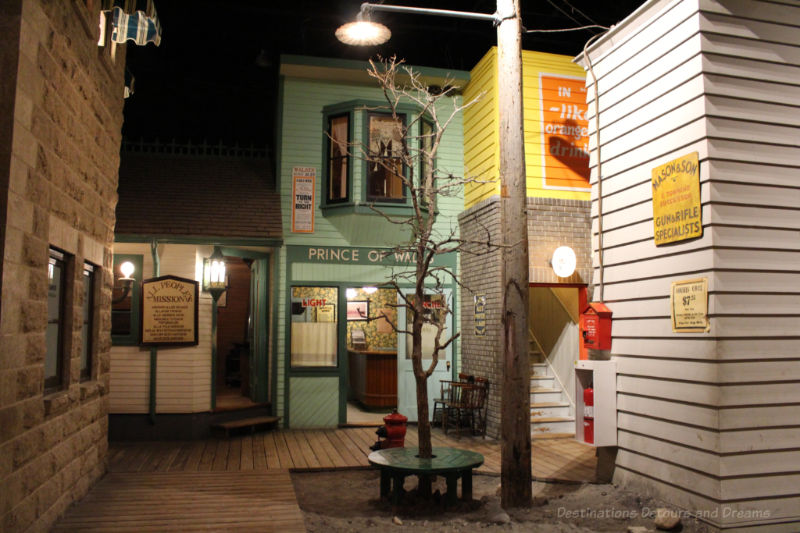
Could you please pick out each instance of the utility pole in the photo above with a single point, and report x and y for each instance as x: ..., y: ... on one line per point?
x: 515, y: 411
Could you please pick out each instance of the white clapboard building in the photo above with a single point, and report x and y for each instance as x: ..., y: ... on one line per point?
x: 708, y: 419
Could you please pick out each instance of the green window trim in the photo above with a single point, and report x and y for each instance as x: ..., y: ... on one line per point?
x: 131, y: 336
x: 358, y: 112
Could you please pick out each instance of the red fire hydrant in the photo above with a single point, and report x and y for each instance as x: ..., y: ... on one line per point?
x: 396, y: 425
x: 393, y: 432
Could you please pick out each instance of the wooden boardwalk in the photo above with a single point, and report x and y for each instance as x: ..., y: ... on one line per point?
x: 328, y: 449
x: 262, y: 501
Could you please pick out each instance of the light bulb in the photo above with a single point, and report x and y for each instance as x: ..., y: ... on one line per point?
x: 127, y: 269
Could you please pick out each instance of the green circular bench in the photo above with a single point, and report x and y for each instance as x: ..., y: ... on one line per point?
x: 397, y: 463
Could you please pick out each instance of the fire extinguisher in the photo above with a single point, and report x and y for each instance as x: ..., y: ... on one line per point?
x: 588, y: 414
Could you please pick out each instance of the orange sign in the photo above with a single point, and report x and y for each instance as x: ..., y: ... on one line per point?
x: 565, y: 135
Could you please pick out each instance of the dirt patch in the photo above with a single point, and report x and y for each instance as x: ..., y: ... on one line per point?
x: 349, y: 501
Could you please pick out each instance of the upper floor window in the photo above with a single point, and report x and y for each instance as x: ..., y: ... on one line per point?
x: 54, y: 336
x: 338, y: 161
x: 87, y: 323
x: 385, y: 164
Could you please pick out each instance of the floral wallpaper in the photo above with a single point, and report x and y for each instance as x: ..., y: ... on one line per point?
x: 379, y: 336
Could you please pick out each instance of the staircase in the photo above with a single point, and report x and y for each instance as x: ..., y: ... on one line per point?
x: 551, y: 412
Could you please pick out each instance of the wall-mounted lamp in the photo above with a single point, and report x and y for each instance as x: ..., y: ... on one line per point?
x: 214, y: 274
x: 127, y: 268
x: 563, y: 261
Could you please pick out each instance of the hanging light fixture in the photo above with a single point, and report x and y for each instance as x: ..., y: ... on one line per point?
x: 363, y: 32
x: 214, y: 280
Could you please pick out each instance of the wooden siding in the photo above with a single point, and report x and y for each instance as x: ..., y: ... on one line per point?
x: 481, y: 153
x: 183, y: 379
x: 705, y: 419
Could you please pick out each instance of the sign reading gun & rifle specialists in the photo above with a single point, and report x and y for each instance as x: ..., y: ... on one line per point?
x: 677, y: 215
x: 169, y: 311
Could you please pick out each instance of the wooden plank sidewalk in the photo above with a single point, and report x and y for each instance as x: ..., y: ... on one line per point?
x: 262, y: 501
x: 327, y: 449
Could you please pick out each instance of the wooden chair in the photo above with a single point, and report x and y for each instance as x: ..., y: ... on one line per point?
x: 481, y: 407
x: 439, y: 403
x: 460, y: 408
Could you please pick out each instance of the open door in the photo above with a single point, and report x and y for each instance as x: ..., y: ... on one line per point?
x: 257, y: 327
x: 406, y: 384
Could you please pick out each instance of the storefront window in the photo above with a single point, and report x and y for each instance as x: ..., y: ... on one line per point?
x: 314, y: 340
x: 385, y: 166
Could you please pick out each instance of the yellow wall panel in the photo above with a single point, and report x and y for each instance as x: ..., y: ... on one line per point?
x: 555, y: 159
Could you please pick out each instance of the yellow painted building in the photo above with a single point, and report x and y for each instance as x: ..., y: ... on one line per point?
x: 556, y: 130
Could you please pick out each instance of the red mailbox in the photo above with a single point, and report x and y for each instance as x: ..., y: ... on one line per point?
x: 596, y: 326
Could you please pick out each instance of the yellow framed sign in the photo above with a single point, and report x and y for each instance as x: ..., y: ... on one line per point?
x: 689, y: 306
x: 677, y: 214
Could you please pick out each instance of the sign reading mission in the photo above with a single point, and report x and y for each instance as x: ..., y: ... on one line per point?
x: 169, y: 311
x: 677, y: 215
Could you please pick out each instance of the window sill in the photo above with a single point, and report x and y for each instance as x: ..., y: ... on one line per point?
x: 91, y: 389
x: 391, y: 209
x: 56, y: 403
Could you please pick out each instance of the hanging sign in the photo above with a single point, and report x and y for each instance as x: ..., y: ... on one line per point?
x: 565, y: 139
x: 480, y: 315
x: 689, y: 306
x: 169, y: 311
x: 303, y: 180
x: 677, y: 215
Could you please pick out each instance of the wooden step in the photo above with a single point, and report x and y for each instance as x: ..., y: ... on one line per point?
x: 251, y: 422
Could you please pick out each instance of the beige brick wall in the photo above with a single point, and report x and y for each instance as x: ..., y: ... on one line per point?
x: 60, y: 132
x: 551, y: 223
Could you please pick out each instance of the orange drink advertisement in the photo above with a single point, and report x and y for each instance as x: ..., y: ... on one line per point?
x: 565, y: 133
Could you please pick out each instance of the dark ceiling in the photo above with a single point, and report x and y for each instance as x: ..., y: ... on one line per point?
x: 214, y: 77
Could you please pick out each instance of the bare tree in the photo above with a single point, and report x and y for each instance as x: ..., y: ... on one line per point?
x: 404, y: 148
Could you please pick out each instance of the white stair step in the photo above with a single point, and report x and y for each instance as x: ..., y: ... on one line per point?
x: 541, y: 380
x: 545, y: 394
x: 558, y: 424
x: 550, y: 409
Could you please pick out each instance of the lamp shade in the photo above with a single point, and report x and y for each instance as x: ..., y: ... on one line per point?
x: 363, y: 33
x: 214, y: 273
x: 563, y: 261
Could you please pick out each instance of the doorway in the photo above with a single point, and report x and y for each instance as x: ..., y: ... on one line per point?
x: 371, y: 344
x: 233, y: 349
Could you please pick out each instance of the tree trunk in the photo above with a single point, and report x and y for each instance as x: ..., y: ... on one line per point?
x: 515, y: 410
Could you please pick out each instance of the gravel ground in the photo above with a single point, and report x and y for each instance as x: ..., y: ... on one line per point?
x: 349, y: 501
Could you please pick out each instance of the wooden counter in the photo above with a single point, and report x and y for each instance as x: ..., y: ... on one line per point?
x: 373, y: 377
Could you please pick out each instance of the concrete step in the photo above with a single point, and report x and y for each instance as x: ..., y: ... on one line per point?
x: 550, y: 409
x: 545, y: 394
x: 542, y: 380
x: 539, y: 435
x: 553, y: 424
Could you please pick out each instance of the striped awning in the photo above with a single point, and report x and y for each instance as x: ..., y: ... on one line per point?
x: 135, y: 21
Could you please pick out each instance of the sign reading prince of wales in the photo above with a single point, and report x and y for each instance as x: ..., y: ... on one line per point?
x: 169, y: 311
x: 677, y: 215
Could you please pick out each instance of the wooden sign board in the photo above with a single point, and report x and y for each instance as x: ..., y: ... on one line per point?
x: 303, y: 183
x: 169, y: 311
x: 480, y: 315
x: 677, y: 215
x: 689, y: 306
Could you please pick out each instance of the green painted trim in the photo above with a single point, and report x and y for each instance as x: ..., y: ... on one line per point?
x: 154, y: 350
x: 275, y: 272
x: 287, y: 348
x: 214, y: 298
x: 132, y: 338
x: 246, y: 254
x: 365, y: 256
x: 206, y: 240
x: 292, y: 59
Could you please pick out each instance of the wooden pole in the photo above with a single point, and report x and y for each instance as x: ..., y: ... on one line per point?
x: 515, y: 410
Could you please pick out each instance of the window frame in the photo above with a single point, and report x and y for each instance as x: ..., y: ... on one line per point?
x: 57, y: 381
x: 314, y: 369
x: 326, y: 189
x: 132, y: 337
x: 88, y: 321
x: 378, y: 200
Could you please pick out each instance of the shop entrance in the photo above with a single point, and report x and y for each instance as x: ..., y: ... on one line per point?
x: 241, y: 335
x: 371, y: 344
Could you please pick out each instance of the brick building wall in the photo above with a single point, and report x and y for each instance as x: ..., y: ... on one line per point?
x: 60, y: 132
x: 551, y: 223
